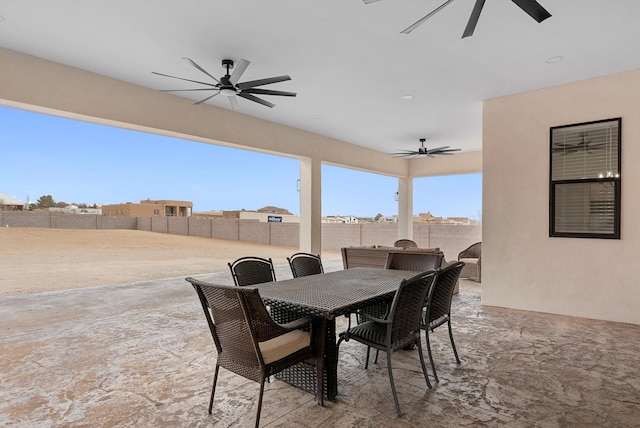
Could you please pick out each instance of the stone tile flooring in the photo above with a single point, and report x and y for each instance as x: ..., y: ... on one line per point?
x: 140, y: 355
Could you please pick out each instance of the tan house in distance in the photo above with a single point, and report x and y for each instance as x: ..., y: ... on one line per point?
x: 266, y: 214
x: 149, y: 208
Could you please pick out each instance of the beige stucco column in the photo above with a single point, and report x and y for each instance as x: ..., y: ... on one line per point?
x: 310, y: 205
x: 405, y: 207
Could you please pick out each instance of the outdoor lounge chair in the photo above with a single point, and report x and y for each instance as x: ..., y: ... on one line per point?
x: 416, y: 262
x: 405, y: 243
x: 252, y: 270
x: 399, y: 328
x: 472, y: 257
x: 437, y: 309
x: 249, y: 343
x: 303, y: 264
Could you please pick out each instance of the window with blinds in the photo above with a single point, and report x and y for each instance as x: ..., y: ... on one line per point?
x: 584, y: 196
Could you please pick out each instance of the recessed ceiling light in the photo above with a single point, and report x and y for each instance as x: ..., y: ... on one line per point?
x: 406, y: 97
x: 317, y: 119
x: 554, y: 59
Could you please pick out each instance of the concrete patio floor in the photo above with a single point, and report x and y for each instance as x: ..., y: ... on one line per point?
x: 140, y: 354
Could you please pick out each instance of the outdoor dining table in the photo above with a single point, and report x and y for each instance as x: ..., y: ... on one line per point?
x: 325, y: 297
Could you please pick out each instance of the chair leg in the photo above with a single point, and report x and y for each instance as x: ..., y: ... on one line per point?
x: 424, y: 367
x: 213, y: 389
x: 260, y: 403
x: 433, y: 366
x: 366, y: 364
x: 453, y: 344
x: 393, y: 386
x: 377, y: 353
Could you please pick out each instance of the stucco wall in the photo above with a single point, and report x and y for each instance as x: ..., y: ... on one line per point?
x: 522, y: 267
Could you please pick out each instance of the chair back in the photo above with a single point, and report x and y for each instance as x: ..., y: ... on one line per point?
x: 303, y: 264
x: 416, y: 262
x: 406, y: 309
x: 473, y: 251
x: 252, y: 270
x: 225, y: 308
x: 438, y: 303
x: 405, y: 243
x: 236, y: 317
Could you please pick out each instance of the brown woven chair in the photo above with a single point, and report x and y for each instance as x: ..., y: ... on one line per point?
x: 472, y: 257
x: 405, y: 243
x: 437, y: 310
x: 416, y: 262
x: 303, y: 264
x: 252, y: 270
x: 399, y: 328
x: 249, y: 342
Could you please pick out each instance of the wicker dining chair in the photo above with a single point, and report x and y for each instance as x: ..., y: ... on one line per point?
x: 249, y: 343
x: 303, y: 264
x: 405, y: 243
x: 252, y: 270
x: 437, y: 309
x: 399, y: 328
x: 416, y: 262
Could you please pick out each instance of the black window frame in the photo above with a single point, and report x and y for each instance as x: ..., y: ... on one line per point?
x: 615, y: 181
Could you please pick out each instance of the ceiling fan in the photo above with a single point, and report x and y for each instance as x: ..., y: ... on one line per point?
x: 229, y: 86
x: 531, y: 7
x: 423, y: 151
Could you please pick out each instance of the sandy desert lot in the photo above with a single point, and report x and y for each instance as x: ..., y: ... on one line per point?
x: 33, y: 260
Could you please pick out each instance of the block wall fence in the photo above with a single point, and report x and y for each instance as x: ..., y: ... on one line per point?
x: 449, y: 238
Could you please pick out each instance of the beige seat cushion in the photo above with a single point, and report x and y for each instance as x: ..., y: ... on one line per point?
x: 275, y: 349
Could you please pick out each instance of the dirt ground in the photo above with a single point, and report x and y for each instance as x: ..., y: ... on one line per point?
x: 33, y: 260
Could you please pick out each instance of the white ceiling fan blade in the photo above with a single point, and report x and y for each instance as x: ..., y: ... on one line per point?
x: 192, y: 62
x: 234, y: 103
x: 239, y: 67
x: 206, y: 99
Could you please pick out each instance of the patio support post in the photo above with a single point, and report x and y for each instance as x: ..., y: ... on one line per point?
x: 405, y: 208
x: 310, y: 205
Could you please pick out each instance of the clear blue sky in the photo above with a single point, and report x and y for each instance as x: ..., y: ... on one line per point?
x: 79, y: 162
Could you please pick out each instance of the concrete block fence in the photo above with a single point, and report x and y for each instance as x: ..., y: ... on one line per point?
x: 449, y: 238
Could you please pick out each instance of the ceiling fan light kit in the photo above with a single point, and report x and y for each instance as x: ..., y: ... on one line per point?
x: 229, y: 86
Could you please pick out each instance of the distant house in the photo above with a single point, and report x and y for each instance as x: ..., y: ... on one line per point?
x: 388, y: 219
x: 340, y: 219
x: 149, y: 208
x: 7, y: 203
x: 266, y: 214
x: 208, y: 214
x: 74, y: 209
